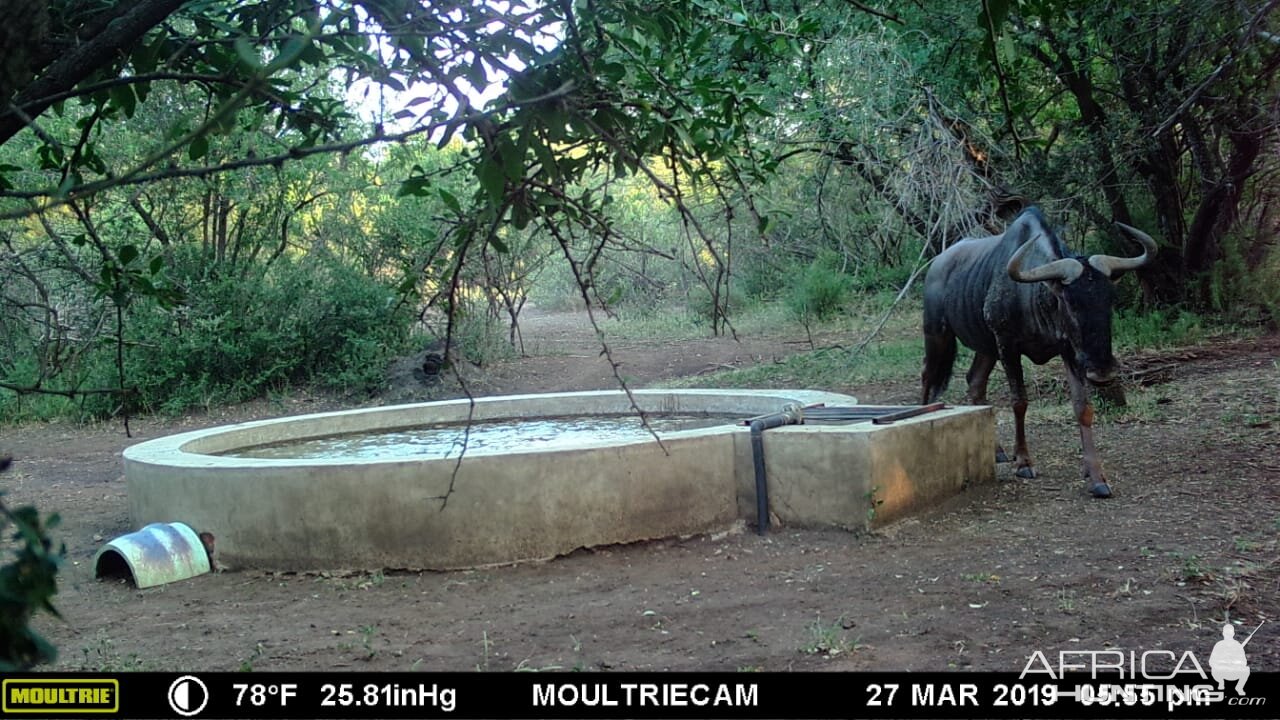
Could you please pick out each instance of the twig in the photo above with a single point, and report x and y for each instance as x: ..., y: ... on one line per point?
x: 1229, y: 62
x: 584, y: 289
x: 892, y: 306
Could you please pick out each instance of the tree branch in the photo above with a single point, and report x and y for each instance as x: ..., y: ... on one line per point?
x: 878, y: 13
x: 295, y: 153
x: 85, y: 59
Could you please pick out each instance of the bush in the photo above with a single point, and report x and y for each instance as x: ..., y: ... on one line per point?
x: 878, y: 278
x: 481, y: 338
x: 701, y: 306
x: 762, y: 276
x: 238, y: 337
x: 1157, y: 329
x: 819, y: 292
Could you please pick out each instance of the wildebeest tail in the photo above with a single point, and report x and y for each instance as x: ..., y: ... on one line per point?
x: 939, y: 359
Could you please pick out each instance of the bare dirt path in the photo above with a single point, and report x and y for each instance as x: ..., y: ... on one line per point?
x: 566, y: 355
x: 1005, y: 569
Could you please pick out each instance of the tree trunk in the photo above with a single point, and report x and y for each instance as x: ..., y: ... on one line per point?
x: 1220, y: 205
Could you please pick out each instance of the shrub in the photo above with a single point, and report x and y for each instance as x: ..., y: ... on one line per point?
x: 820, y: 291
x: 240, y: 336
x: 761, y: 275
x: 1157, y: 328
x: 701, y: 306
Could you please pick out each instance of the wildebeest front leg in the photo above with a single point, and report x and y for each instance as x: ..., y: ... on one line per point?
x: 1090, y: 465
x: 1017, y: 388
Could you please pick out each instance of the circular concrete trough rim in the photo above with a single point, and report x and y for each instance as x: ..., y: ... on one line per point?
x: 193, y: 449
x: 299, y: 514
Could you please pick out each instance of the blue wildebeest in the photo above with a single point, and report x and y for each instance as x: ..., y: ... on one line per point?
x: 1024, y: 293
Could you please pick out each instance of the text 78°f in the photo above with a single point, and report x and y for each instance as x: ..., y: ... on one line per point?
x: 262, y: 694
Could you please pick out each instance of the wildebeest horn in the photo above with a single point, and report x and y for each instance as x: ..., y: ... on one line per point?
x: 1064, y: 270
x: 1108, y: 264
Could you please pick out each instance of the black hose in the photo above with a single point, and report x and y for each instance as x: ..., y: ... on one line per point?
x: 790, y: 416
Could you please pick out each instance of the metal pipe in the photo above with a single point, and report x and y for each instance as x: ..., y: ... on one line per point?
x: 908, y: 413
x: 790, y: 415
x: 860, y: 413
x: 847, y: 414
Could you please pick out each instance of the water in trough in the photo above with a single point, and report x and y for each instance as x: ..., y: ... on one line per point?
x: 509, y: 435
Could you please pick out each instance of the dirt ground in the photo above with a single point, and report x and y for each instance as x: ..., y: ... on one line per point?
x: 1005, y: 569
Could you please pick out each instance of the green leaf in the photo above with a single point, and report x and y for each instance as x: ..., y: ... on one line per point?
x: 247, y: 53
x: 312, y: 55
x: 513, y: 157
x: 498, y: 245
x: 546, y: 157
x: 477, y: 74
x: 122, y: 96
x: 520, y: 215
x: 128, y: 254
x: 198, y: 148
x: 1007, y: 48
x: 67, y: 183
x: 493, y: 179
x: 764, y: 223
x: 4, y: 182
x: 612, y: 71
x: 417, y: 186
x: 51, y: 157
x: 450, y: 200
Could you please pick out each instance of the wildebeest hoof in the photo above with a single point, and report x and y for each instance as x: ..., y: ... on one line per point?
x: 1026, y: 472
x: 1100, y: 490
x: 1002, y: 456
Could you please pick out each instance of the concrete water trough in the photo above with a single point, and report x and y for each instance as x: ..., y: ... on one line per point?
x: 534, y: 500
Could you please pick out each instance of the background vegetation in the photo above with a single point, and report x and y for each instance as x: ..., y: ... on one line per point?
x: 207, y: 202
